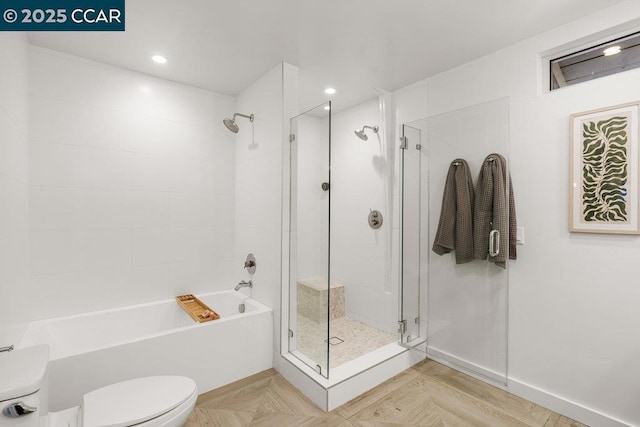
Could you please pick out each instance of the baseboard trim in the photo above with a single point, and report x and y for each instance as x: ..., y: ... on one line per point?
x: 564, y: 406
x: 473, y: 369
x: 591, y: 417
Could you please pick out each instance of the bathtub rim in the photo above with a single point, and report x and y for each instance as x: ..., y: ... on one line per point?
x: 33, y: 329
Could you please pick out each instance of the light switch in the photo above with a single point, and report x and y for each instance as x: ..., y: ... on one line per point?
x: 520, y: 236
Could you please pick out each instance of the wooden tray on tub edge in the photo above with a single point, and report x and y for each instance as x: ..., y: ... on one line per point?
x: 196, y: 308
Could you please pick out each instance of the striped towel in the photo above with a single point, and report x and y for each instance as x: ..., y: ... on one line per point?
x: 455, y: 229
x: 492, y: 211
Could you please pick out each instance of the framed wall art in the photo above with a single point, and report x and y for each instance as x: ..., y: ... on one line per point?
x: 603, y: 182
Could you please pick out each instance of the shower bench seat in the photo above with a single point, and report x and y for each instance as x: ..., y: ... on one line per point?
x: 312, y: 299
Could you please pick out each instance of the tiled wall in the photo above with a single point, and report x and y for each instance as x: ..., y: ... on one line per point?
x: 364, y: 176
x: 259, y: 190
x: 13, y: 186
x: 311, y: 203
x: 361, y: 257
x: 131, y: 187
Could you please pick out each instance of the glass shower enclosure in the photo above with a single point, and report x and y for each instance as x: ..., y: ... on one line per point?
x: 309, y: 237
x: 455, y: 313
x: 342, y: 300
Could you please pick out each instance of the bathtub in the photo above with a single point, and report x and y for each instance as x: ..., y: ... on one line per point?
x: 91, y: 350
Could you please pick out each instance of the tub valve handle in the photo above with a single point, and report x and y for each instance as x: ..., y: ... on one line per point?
x: 250, y: 264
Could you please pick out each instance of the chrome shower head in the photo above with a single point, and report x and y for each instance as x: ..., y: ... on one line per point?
x: 360, y: 132
x: 231, y: 123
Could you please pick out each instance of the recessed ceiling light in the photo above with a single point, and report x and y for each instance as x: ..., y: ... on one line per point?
x: 159, y: 59
x: 329, y: 91
x: 612, y: 50
x: 327, y: 108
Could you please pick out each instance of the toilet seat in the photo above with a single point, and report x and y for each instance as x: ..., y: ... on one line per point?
x: 137, y: 401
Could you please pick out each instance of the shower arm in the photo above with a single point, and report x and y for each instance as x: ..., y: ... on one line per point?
x: 373, y: 128
x: 243, y: 115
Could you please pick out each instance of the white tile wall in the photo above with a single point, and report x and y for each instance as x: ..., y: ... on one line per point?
x: 14, y: 150
x: 14, y: 168
x: 131, y: 187
x: 312, y: 207
x: 258, y: 178
x: 361, y: 257
x: 14, y: 82
x: 290, y: 82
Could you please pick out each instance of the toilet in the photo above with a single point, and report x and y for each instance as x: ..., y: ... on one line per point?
x: 145, y: 402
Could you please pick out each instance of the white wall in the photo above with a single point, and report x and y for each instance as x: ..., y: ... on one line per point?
x: 467, y: 303
x: 573, y: 302
x: 14, y: 173
x: 311, y: 204
x: 131, y: 187
x: 409, y: 105
x: 364, y: 176
x: 360, y: 255
x: 259, y: 178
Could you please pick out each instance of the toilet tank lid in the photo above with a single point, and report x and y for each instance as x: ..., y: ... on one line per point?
x: 135, y: 401
x: 22, y: 371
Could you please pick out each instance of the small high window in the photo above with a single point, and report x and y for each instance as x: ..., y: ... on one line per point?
x: 615, y: 56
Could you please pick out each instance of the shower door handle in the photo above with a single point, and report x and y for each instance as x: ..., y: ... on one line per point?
x: 494, y: 243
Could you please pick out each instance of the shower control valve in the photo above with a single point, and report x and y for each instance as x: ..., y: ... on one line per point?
x: 250, y: 264
x: 375, y: 219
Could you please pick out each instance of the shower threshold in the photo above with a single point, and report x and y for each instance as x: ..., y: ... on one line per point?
x: 349, y: 369
x: 350, y: 379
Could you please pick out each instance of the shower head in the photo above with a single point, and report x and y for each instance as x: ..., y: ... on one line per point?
x: 231, y: 123
x: 360, y: 132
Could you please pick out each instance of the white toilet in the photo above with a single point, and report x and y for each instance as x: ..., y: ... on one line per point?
x: 146, y: 402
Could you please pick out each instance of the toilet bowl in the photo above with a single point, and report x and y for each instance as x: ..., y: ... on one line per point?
x: 147, y: 402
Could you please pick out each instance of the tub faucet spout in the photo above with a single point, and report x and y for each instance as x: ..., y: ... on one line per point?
x: 244, y: 284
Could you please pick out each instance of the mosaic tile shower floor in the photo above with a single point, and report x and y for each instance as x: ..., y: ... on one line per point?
x: 356, y: 338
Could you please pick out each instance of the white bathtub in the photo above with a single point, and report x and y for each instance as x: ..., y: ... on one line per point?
x: 91, y: 350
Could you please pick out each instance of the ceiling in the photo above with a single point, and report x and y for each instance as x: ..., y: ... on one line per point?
x: 352, y: 45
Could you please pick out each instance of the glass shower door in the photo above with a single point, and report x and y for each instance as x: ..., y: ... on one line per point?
x: 465, y: 305
x: 310, y: 139
x: 411, y: 327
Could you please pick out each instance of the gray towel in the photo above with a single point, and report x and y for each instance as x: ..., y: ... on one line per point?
x: 491, y: 211
x: 455, y: 229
